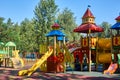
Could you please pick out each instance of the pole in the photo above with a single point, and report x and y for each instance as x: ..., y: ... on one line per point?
x: 89, y: 51
x: 55, y: 46
x: 54, y: 54
x: 48, y: 41
x: 64, y: 63
x: 112, y: 44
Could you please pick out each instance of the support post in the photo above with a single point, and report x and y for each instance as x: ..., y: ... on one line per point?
x: 64, y: 63
x: 54, y: 45
x: 89, y: 51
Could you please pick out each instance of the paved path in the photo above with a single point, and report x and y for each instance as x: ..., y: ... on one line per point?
x: 96, y: 74
x: 11, y: 74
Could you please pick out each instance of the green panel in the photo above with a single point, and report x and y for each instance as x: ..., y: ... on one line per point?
x: 118, y: 58
x: 112, y: 56
x: 116, y: 47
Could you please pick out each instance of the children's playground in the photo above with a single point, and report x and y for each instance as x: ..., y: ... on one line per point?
x: 90, y: 58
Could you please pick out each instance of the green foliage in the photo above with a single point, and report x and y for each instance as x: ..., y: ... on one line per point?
x: 67, y: 21
x: 27, y: 35
x: 2, y: 27
x: 45, y: 13
x: 106, y: 32
x: 6, y: 31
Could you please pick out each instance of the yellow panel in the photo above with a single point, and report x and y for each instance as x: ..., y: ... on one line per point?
x: 43, y: 48
x: 104, y: 57
x: 93, y: 42
x: 104, y: 43
x: 85, y: 42
x: 119, y: 40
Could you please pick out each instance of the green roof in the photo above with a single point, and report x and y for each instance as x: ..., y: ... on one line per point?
x: 10, y: 44
x: 1, y: 43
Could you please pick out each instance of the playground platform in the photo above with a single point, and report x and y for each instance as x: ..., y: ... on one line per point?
x: 11, y: 74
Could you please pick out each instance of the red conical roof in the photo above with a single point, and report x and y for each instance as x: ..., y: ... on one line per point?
x: 88, y: 14
x: 118, y: 18
x: 84, y: 28
x: 55, y: 26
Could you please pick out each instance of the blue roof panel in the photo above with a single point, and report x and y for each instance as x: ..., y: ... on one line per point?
x: 116, y: 26
x: 55, y: 33
x: 60, y: 38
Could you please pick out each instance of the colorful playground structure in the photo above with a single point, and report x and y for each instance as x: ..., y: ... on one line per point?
x: 92, y: 49
x: 98, y: 50
x: 55, y: 59
x: 9, y: 56
x: 57, y: 54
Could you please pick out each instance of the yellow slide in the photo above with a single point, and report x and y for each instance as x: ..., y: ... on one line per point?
x: 16, y: 60
x: 36, y: 65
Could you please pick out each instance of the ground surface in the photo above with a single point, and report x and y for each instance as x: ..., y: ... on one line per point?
x: 11, y: 74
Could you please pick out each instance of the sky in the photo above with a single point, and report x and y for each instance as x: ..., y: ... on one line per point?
x: 103, y: 10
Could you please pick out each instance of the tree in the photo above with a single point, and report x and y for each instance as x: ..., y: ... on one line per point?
x: 67, y: 21
x: 106, y: 32
x: 9, y: 22
x: 16, y: 35
x: 1, y: 27
x: 6, y: 30
x: 27, y: 37
x: 45, y: 13
x: 1, y: 21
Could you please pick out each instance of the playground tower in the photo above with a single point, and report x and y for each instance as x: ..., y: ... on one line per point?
x: 116, y: 40
x: 52, y: 60
x: 88, y: 26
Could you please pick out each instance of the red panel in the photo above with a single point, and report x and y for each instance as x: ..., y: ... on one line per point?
x: 79, y: 53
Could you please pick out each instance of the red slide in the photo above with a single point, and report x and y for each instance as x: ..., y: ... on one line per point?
x: 111, y: 69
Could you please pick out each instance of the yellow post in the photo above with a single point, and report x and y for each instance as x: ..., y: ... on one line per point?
x: 111, y: 41
x: 97, y: 55
x: 54, y: 53
x: 89, y: 51
x: 8, y: 52
x: 64, y: 63
x: 54, y: 45
x: 59, y: 43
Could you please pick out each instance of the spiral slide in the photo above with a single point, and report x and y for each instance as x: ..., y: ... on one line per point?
x: 36, y: 65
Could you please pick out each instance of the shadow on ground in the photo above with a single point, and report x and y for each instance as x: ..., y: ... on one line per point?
x: 11, y: 74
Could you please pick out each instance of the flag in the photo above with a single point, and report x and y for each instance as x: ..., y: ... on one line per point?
x: 89, y: 6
